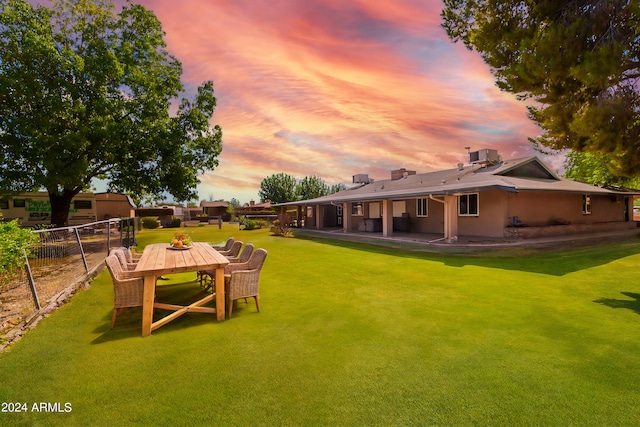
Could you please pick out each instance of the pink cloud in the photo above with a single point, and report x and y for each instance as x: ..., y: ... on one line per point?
x: 333, y: 88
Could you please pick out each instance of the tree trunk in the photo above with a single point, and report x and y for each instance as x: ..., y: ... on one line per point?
x: 60, y: 205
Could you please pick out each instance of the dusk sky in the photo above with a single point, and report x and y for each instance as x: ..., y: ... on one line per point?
x: 334, y: 88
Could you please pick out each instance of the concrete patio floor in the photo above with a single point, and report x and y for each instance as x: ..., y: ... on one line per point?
x: 469, y: 244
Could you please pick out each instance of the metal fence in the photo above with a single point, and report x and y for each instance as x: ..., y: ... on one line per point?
x: 63, y: 259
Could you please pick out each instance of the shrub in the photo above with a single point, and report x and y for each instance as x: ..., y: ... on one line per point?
x: 250, y: 224
x: 14, y: 241
x: 174, y: 222
x: 150, y: 222
x: 280, y: 227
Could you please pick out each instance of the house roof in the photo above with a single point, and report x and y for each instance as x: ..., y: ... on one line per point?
x: 108, y: 196
x: 215, y: 204
x: 515, y: 175
x: 256, y: 208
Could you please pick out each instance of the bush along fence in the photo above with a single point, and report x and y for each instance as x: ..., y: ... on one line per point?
x: 61, y: 261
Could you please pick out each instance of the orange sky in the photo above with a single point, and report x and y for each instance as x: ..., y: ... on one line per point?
x: 334, y: 88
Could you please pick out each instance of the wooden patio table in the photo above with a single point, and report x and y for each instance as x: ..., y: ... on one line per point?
x: 159, y: 259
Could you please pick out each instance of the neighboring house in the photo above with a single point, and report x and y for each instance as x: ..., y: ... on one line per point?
x: 214, y: 209
x: 34, y: 208
x: 165, y: 214
x: 488, y: 198
x: 262, y: 210
x: 114, y: 205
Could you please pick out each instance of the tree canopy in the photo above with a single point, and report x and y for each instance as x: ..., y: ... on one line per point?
x: 278, y: 188
x: 86, y: 93
x: 281, y: 188
x: 592, y: 169
x: 311, y: 187
x: 578, y: 60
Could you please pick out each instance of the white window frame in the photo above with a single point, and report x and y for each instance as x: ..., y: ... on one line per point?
x: 467, y: 196
x: 357, y: 209
x: 422, y: 207
x: 586, y: 204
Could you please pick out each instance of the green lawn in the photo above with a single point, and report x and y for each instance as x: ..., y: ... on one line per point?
x: 352, y: 334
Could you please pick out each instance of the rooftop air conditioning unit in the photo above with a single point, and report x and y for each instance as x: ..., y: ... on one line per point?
x: 361, y: 178
x: 484, y: 157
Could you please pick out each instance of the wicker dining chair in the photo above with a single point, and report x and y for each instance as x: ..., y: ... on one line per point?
x: 122, y: 258
x: 236, y: 245
x: 127, y: 292
x: 224, y: 247
x: 131, y: 255
x: 244, y: 255
x: 234, y: 250
x: 244, y: 280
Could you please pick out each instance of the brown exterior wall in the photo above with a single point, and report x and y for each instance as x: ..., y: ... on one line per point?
x: 542, y: 209
x: 491, y: 220
x: 497, y: 210
x: 433, y: 223
x: 112, y: 205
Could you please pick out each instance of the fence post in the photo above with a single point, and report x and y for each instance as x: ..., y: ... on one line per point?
x: 128, y: 235
x: 84, y: 259
x: 32, y: 284
x: 108, y: 237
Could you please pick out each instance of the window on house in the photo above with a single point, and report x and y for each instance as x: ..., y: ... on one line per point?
x: 468, y: 205
x: 309, y: 211
x: 423, y: 207
x: 356, y: 209
x: 586, y: 203
x: 19, y: 203
x: 374, y: 210
x: 4, y: 204
x: 399, y: 208
x: 82, y: 204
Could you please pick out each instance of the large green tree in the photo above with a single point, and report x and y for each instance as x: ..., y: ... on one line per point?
x: 281, y: 188
x: 311, y: 187
x: 278, y: 188
x: 578, y: 60
x: 593, y: 169
x: 87, y: 93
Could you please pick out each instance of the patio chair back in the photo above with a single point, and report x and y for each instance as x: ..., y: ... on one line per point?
x: 244, y: 256
x: 257, y: 259
x: 226, y: 246
x: 235, y: 249
x: 120, y: 253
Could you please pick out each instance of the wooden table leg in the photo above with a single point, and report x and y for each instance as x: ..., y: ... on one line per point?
x: 147, y: 304
x: 220, y: 308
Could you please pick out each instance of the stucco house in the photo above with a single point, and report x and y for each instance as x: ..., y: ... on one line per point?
x: 217, y: 208
x: 489, y: 197
x: 114, y: 205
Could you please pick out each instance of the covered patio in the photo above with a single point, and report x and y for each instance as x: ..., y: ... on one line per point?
x: 496, y: 200
x: 469, y: 244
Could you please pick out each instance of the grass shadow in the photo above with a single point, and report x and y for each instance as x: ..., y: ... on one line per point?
x: 179, y: 289
x: 555, y: 261
x: 629, y: 304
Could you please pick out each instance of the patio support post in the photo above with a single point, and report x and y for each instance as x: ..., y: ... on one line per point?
x: 299, y: 216
x: 450, y: 219
x: 387, y: 218
x: 346, y: 217
x: 318, y: 216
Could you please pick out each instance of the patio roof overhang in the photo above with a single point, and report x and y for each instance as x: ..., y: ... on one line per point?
x: 344, y: 196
